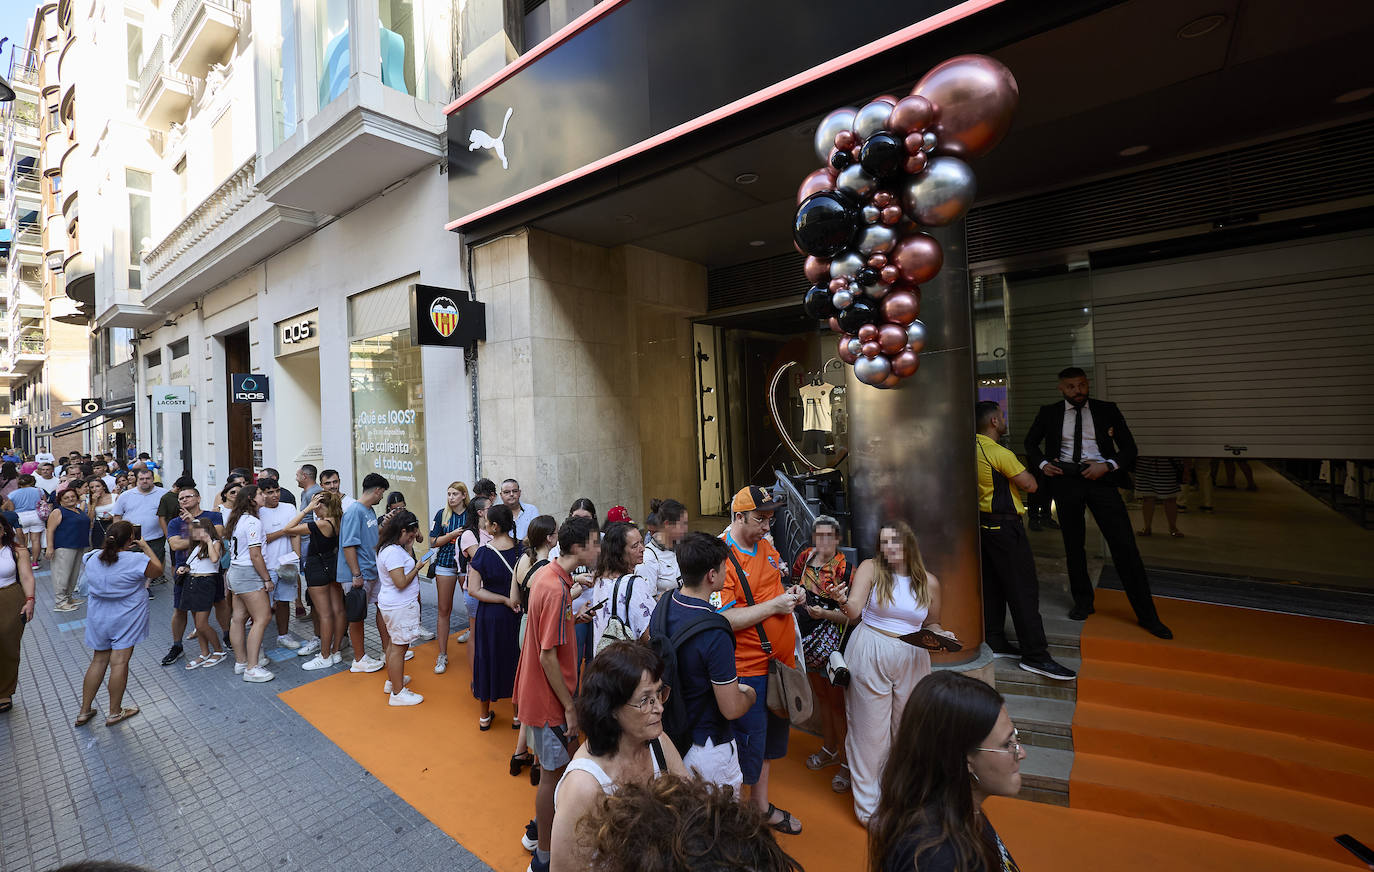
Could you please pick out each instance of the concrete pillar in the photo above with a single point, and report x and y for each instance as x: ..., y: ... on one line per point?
x: 911, y: 454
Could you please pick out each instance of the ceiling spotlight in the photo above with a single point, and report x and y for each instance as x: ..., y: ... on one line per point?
x: 1354, y: 96
x: 757, y: 243
x: 746, y: 178
x: 1201, y: 26
x: 1133, y: 150
x: 626, y: 218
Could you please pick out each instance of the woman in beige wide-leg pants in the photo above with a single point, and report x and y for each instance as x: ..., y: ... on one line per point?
x: 892, y: 594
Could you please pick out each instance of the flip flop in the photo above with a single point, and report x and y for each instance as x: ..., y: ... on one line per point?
x: 785, y: 825
x: 83, y: 720
x: 124, y: 714
x: 822, y: 758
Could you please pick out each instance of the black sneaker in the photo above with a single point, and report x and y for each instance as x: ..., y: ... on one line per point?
x: 1004, y: 649
x: 1049, y: 669
x: 173, y: 656
x: 226, y: 638
x: 530, y: 840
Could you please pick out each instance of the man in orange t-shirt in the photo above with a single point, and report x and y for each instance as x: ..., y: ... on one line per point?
x: 761, y: 735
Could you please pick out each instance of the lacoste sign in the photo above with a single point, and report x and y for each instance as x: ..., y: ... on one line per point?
x: 171, y: 399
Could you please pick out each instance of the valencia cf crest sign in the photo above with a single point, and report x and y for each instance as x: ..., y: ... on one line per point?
x: 445, y: 317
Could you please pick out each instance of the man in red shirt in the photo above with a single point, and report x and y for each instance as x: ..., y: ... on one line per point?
x: 761, y: 735
x: 547, y: 674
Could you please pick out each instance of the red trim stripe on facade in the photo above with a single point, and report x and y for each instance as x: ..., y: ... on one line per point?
x: 892, y: 40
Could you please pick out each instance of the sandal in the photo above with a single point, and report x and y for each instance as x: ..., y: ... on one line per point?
x: 124, y: 714
x: 1144, y: 533
x: 484, y: 723
x: 784, y: 826
x: 85, y: 718
x: 6, y: 705
x: 515, y: 723
x: 519, y: 762
x: 1176, y: 534
x: 822, y: 758
x: 840, y: 783
x: 197, y: 662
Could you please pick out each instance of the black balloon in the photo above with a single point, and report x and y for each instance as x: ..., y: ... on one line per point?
x: 866, y: 277
x: 883, y: 155
x: 825, y: 223
x: 856, y: 315
x: 841, y: 159
x: 817, y: 303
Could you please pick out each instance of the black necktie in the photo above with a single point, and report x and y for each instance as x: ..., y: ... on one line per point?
x: 1077, y: 434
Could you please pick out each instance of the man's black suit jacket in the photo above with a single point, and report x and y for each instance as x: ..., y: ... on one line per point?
x: 1114, y: 438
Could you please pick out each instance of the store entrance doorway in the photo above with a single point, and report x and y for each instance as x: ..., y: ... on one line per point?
x: 238, y: 416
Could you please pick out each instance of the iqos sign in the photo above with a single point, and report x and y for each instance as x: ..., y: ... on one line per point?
x: 246, y: 387
x: 300, y: 333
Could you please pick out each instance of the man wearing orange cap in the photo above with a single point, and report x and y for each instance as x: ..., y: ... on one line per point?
x: 758, y: 608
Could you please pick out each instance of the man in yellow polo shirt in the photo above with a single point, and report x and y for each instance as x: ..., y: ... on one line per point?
x: 1009, y: 580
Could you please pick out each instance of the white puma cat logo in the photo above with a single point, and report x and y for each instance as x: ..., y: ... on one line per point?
x: 481, y: 139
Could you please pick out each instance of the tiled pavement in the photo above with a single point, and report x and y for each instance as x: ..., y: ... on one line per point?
x: 213, y: 774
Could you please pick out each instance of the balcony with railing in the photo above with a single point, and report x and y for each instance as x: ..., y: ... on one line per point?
x: 164, y: 93
x: 27, y: 353
x: 28, y: 238
x: 23, y: 67
x: 202, y: 31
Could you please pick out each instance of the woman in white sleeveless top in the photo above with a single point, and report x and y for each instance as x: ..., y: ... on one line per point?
x: 620, y: 712
x: 892, y: 594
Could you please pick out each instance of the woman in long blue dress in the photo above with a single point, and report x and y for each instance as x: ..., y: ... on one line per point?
x: 116, y: 616
x: 496, y: 644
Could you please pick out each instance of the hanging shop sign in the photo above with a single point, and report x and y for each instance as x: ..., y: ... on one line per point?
x: 248, y: 387
x: 301, y: 333
x: 91, y: 405
x: 169, y: 399
x: 446, y: 317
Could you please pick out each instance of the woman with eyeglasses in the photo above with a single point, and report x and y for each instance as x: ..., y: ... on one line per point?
x: 955, y: 747
x: 620, y: 712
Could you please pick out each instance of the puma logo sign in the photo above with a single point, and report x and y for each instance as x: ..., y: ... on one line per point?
x: 481, y: 139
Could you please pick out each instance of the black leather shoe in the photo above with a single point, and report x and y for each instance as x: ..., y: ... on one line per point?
x: 1080, y: 613
x: 1159, y: 629
x: 172, y: 656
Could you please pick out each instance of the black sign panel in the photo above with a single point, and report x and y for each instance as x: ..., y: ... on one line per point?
x: 647, y: 67
x: 445, y: 317
x: 91, y: 405
x: 248, y: 387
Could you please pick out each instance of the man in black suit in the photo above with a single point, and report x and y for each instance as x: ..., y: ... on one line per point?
x: 1087, y: 449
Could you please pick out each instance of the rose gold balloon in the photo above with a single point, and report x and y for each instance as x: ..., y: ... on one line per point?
x: 889, y: 99
x: 913, y: 142
x: 857, y: 152
x: 891, y: 215
x: 890, y: 273
x: 835, y: 325
x: 877, y: 260
x: 838, y: 284
x: 976, y: 97
x: 883, y: 199
x: 868, y: 333
x: 843, y: 348
x: 919, y: 257
x: 892, y: 338
x: 817, y: 270
x: 905, y: 364
x: 844, y: 140
x: 911, y: 113
x: 872, y: 349
x: 916, y: 163
x: 901, y: 306
x: 822, y: 179
x: 891, y: 381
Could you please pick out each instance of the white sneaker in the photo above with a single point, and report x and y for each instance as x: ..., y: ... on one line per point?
x: 405, y: 697
x: 263, y: 661
x: 258, y: 675
x: 410, y: 655
x: 441, y: 664
x: 311, y: 646
x: 317, y: 662
x: 424, y: 634
x: 286, y: 640
x: 366, y: 664
x: 335, y: 659
x: 239, y: 667
x: 462, y: 637
x: 386, y: 688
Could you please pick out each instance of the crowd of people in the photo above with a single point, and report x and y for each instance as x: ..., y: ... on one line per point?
x: 635, y: 662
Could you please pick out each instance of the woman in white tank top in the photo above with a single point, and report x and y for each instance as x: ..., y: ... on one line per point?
x: 892, y: 594
x: 620, y: 712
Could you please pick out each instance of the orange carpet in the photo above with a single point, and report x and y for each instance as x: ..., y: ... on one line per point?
x: 1248, y: 725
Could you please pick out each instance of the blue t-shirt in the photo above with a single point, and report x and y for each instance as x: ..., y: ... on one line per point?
x: 73, y: 531
x: 359, y: 529
x: 139, y: 508
x: 26, y: 499
x: 705, y: 660
x: 177, y: 527
x: 126, y: 578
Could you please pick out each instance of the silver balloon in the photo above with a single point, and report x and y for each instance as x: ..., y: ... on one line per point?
x: 855, y: 347
x: 872, y: 370
x: 872, y: 118
x: 928, y: 141
x: 842, y: 299
x: 916, y: 336
x: 871, y: 214
x: 845, y: 265
x: 855, y: 180
x: 876, y: 238
x: 836, y: 122
x: 941, y: 194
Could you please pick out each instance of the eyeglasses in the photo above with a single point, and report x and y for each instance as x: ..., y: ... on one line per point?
x: 1013, y: 747
x: 762, y: 522
x: 647, y: 702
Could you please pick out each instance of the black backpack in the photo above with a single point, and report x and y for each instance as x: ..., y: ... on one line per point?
x: 675, y: 724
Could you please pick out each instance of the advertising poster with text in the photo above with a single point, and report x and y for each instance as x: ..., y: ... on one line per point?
x: 388, y: 412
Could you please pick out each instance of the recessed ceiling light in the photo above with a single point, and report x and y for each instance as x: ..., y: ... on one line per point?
x: 1201, y: 26
x: 626, y: 218
x: 1354, y: 96
x: 757, y: 243
x: 1133, y: 150
x: 746, y: 178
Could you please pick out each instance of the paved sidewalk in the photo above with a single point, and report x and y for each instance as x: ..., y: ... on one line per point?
x: 213, y: 774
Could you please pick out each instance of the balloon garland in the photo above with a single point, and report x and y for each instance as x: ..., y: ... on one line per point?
x: 891, y: 168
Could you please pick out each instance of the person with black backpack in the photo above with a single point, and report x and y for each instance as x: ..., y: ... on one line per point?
x: 698, y: 650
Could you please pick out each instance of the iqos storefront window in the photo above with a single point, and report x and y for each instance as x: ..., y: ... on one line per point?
x: 387, y: 389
